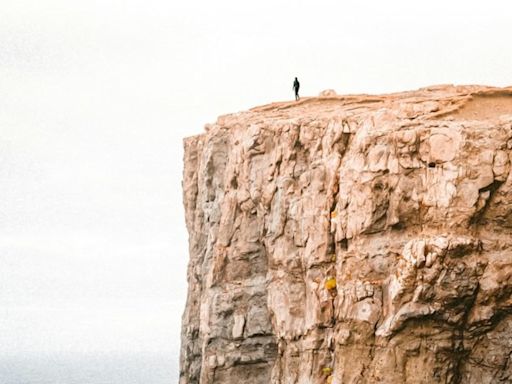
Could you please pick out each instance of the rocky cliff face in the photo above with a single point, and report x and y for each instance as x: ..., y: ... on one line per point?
x: 352, y: 239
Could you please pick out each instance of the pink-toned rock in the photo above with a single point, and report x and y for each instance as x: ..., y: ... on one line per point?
x: 401, y: 202
x: 327, y: 93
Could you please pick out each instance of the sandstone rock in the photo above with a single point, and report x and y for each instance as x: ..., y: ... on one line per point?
x: 352, y: 239
x: 327, y: 93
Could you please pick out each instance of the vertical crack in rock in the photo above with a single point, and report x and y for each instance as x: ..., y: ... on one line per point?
x: 352, y: 239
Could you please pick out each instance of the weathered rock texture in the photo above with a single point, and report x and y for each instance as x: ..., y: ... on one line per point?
x: 352, y: 239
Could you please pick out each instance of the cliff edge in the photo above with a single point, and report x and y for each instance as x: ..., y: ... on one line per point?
x: 352, y: 239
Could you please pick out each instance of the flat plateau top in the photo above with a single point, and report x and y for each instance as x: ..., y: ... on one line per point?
x: 469, y: 102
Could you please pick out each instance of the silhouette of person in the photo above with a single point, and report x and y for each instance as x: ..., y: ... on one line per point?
x: 296, y: 86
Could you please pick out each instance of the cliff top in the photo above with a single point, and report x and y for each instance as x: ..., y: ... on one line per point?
x: 450, y: 102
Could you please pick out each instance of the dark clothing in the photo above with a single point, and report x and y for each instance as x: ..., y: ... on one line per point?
x: 296, y: 86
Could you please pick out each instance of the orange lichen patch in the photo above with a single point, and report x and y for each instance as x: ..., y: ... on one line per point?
x: 334, y: 214
x: 330, y: 283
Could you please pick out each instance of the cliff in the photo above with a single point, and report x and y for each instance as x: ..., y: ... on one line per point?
x: 352, y: 239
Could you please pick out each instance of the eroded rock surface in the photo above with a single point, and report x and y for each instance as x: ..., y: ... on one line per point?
x: 352, y: 239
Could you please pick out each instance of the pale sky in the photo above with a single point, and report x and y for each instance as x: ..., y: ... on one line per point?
x: 96, y: 97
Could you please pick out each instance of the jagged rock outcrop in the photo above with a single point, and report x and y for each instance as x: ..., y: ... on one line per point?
x: 352, y: 239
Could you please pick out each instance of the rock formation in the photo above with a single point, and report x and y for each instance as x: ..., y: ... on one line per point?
x: 352, y: 239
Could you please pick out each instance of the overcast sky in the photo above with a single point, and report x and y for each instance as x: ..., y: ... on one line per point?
x: 96, y: 97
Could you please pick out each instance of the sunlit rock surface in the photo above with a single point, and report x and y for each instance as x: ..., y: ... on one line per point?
x: 352, y: 239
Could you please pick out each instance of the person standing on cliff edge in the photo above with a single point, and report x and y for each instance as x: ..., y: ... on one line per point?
x: 296, y: 86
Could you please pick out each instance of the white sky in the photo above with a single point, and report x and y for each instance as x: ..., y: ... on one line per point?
x: 96, y: 96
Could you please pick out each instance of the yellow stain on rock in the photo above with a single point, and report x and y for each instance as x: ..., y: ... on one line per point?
x: 330, y: 283
x: 327, y: 370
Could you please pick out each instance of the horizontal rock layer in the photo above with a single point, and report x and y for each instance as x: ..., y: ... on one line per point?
x: 352, y: 239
